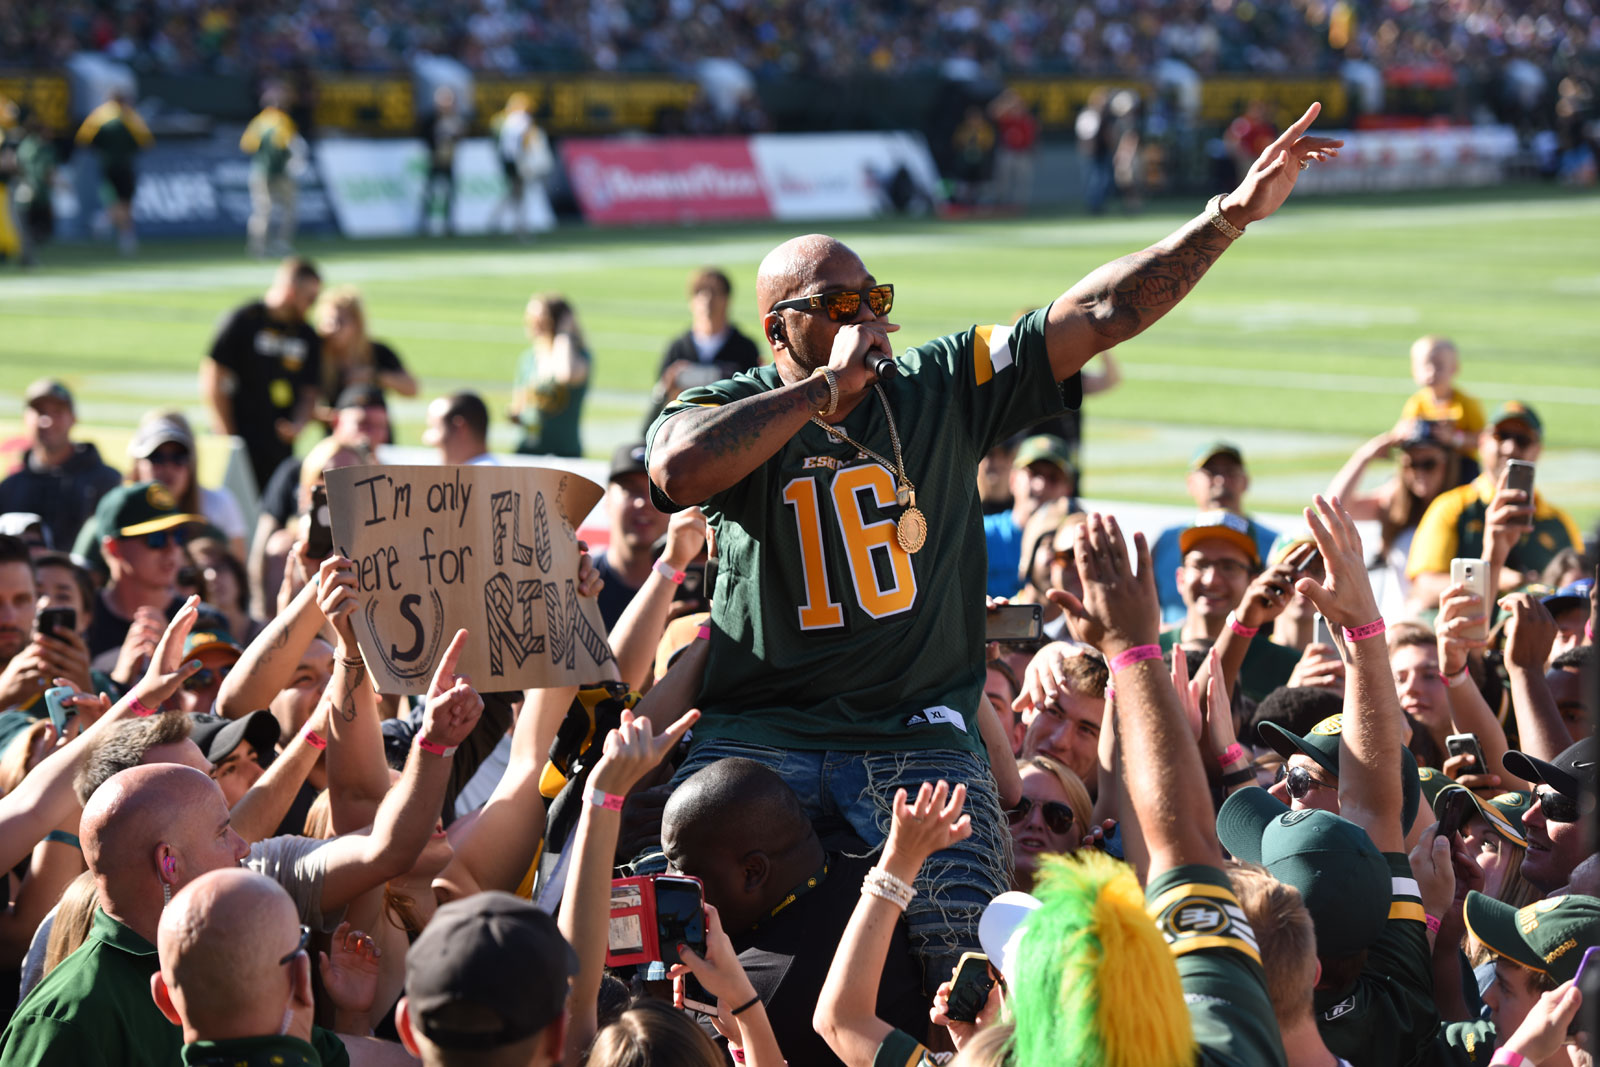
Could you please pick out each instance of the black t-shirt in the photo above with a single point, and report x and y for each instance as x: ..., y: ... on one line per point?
x: 787, y: 959
x: 281, y: 497
x: 270, y: 360
x: 107, y: 630
x: 384, y: 358
x: 616, y: 594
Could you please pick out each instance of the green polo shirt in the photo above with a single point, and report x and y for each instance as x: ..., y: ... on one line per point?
x: 273, y: 1051
x: 96, y: 1010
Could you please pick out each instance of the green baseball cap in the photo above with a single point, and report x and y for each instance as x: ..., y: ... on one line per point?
x: 1517, y: 411
x: 1211, y: 450
x: 1503, y: 812
x: 1045, y: 448
x: 1548, y: 936
x: 1433, y: 782
x: 1322, y: 746
x: 141, y: 508
x: 1340, y: 873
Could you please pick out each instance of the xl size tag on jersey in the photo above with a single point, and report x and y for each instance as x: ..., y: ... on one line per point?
x: 936, y: 715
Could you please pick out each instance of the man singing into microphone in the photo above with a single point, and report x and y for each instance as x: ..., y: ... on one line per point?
x: 846, y: 646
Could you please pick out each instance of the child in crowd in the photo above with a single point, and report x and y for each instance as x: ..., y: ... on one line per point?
x: 1435, y: 362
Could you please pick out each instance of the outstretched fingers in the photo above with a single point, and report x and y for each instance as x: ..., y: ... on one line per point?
x: 445, y: 675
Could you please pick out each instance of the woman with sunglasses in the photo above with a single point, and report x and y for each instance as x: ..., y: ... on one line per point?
x: 552, y: 378
x: 163, y: 451
x: 1426, y: 466
x: 1050, y: 819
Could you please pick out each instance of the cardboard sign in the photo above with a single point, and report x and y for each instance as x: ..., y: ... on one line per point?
x: 485, y: 549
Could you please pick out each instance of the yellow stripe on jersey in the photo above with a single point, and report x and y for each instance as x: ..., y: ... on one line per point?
x: 1406, y: 909
x: 1190, y: 889
x: 991, y: 351
x: 1195, y: 944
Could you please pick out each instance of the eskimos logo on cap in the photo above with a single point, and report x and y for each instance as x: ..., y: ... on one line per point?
x: 1528, y: 917
x: 1333, y: 724
x: 158, y: 497
x: 1296, y: 816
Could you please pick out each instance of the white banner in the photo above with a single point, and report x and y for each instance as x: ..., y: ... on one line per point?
x: 376, y: 188
x: 839, y: 175
x: 1377, y: 160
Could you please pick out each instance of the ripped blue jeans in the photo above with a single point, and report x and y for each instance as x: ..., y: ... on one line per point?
x: 858, y: 788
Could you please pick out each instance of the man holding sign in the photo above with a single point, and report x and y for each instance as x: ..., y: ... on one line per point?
x: 848, y: 622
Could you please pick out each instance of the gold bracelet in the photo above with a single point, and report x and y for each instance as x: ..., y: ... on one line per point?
x: 1215, y: 216
x: 833, y: 390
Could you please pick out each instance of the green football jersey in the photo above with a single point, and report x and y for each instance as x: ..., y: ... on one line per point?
x: 826, y: 634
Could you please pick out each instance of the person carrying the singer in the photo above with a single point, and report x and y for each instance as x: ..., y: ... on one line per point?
x: 847, y: 629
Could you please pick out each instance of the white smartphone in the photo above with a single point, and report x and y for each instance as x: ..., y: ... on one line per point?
x: 1474, y: 574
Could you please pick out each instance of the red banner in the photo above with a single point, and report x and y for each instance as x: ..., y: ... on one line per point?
x: 677, y: 180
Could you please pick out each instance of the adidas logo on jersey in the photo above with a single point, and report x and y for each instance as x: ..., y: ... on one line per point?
x: 936, y: 715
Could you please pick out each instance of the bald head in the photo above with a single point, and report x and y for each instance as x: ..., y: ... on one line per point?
x: 793, y: 268
x: 221, y: 942
x: 136, y: 809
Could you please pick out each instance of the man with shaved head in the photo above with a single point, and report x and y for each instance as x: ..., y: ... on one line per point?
x: 234, y: 971
x: 847, y: 628
x: 147, y: 832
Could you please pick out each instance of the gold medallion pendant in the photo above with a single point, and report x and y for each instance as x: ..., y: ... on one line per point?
x: 911, y: 531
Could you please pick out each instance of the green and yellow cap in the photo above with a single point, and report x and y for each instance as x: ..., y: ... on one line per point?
x: 142, y: 508
x: 1322, y: 746
x: 1503, y: 812
x: 1517, y: 411
x: 1548, y: 936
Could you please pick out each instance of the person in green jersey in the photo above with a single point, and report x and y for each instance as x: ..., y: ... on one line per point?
x: 234, y: 971
x: 552, y: 378
x: 270, y: 142
x: 117, y: 133
x: 848, y: 617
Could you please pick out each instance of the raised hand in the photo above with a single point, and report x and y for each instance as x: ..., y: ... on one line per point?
x: 350, y: 973
x: 1319, y: 667
x: 923, y: 826
x: 633, y: 751
x: 1459, y: 625
x: 1119, y: 609
x: 1544, y: 1029
x: 589, y: 580
x: 336, y: 596
x: 138, y: 646
x: 1046, y: 676
x: 1271, y: 177
x: 1530, y: 632
x: 453, y: 705
x: 1271, y: 590
x: 686, y: 536
x: 1510, y: 515
x: 1345, y: 597
x: 719, y: 970
x: 167, y: 669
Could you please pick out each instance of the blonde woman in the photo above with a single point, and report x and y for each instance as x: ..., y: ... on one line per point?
x: 350, y: 356
x: 1050, y: 819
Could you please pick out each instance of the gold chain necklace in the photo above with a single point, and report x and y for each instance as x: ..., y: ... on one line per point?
x: 911, y: 530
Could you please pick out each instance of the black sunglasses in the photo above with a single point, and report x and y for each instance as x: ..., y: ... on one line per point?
x: 1521, y: 440
x: 161, y: 538
x: 1300, y: 782
x: 168, y: 457
x: 204, y: 677
x: 305, y: 939
x: 1557, y: 807
x: 1057, y: 816
x: 844, y: 303
x: 1424, y: 466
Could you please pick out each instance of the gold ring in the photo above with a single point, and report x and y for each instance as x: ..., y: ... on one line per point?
x: 1304, y: 163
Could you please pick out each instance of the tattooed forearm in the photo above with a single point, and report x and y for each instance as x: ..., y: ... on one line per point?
x: 351, y: 675
x: 737, y: 427
x: 1123, y: 298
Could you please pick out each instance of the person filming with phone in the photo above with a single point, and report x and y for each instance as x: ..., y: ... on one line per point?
x: 1499, y: 516
x: 847, y: 629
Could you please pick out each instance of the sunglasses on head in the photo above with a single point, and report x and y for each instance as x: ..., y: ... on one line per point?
x: 1557, y: 807
x: 203, y: 677
x: 1057, y: 816
x: 305, y: 939
x: 843, y: 304
x: 1299, y: 782
x: 1521, y: 440
x: 161, y: 538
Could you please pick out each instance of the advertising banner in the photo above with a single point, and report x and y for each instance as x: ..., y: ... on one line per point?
x: 1377, y: 160
x: 838, y: 175
x: 700, y: 179
x: 490, y: 550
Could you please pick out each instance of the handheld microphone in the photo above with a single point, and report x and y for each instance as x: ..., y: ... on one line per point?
x: 881, y: 365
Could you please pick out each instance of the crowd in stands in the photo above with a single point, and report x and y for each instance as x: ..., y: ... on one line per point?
x: 1099, y: 38
x: 1225, y: 808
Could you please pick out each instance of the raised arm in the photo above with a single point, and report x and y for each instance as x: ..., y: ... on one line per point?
x: 262, y: 809
x: 358, y: 773
x: 631, y: 751
x: 846, y: 1014
x: 1461, y: 610
x: 1125, y: 297
x: 1369, y: 745
x: 1530, y: 633
x: 269, y: 661
x: 644, y: 620
x: 1345, y: 483
x: 1164, y: 783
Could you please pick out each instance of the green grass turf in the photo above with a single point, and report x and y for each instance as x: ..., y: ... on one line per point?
x: 1295, y: 343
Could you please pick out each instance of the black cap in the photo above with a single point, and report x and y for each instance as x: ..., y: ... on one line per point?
x: 489, y: 970
x: 628, y: 459
x: 1571, y: 774
x: 218, y: 737
x: 360, y: 396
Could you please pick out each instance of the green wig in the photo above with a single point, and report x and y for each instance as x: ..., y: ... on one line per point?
x: 1095, y: 984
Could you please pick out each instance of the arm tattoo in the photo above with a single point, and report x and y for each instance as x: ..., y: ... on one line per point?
x: 1123, y: 298
x: 725, y: 431
x: 347, y: 699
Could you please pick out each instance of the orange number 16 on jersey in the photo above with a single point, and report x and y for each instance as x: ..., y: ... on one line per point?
x: 861, y: 540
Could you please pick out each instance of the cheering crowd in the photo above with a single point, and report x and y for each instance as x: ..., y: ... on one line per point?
x: 1246, y: 797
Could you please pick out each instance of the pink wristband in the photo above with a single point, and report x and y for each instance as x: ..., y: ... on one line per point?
x: 429, y: 746
x: 1588, y: 630
x: 138, y: 707
x: 1433, y: 923
x: 668, y: 571
x: 601, y: 799
x: 1504, y: 1057
x: 1232, y: 753
x: 704, y: 633
x: 314, y: 739
x: 1361, y: 633
x: 1137, y: 654
x: 1240, y: 628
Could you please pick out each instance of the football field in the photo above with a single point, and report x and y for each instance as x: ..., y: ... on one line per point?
x: 1294, y: 345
